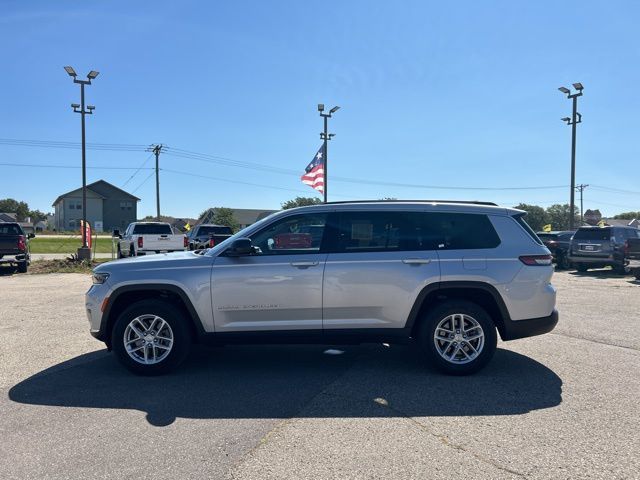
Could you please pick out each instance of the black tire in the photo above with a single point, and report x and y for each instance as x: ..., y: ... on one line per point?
x: 562, y: 262
x: 581, y: 267
x: 132, y: 251
x: 620, y: 269
x: 22, y: 267
x: 177, y: 322
x: 120, y: 252
x: 427, y: 342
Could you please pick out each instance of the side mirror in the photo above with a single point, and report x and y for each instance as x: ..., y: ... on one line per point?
x: 116, y: 233
x: 31, y: 235
x: 240, y: 247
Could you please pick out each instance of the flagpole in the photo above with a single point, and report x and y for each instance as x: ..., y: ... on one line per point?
x: 326, y: 159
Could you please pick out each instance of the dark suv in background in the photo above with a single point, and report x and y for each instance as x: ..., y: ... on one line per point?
x: 558, y: 244
x: 598, y: 247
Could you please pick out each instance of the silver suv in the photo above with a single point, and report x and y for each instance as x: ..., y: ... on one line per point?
x: 443, y: 274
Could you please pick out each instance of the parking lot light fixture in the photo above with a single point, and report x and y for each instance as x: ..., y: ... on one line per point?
x: 573, y: 122
x: 84, y: 252
x: 325, y: 136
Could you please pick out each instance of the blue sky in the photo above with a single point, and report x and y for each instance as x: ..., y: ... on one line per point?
x: 432, y: 93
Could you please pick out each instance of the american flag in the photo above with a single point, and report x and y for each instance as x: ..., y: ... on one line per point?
x: 314, y: 173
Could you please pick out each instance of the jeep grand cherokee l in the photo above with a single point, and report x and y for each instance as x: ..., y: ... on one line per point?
x: 448, y: 276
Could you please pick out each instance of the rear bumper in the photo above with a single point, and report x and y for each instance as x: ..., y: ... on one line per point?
x: 603, y: 260
x: 634, y: 263
x: 21, y: 257
x: 514, y: 329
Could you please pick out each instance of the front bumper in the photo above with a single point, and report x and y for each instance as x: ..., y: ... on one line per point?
x: 514, y: 329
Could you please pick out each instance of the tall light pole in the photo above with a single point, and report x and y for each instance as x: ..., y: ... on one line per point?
x: 84, y: 252
x: 325, y: 136
x: 573, y: 121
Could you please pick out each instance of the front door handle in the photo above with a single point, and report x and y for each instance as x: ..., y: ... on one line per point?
x: 304, y: 264
x: 416, y: 261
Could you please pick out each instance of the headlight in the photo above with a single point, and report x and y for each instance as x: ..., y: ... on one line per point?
x: 99, y: 278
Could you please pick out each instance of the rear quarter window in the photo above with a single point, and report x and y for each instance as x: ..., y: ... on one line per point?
x: 521, y: 221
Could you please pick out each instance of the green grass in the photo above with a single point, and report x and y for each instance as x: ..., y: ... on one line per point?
x: 65, y: 244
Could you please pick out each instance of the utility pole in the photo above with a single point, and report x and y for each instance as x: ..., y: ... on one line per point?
x: 581, y: 188
x: 84, y: 252
x: 325, y: 136
x: 156, y: 149
x: 573, y: 121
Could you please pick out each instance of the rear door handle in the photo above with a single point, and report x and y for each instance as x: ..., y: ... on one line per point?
x: 304, y: 264
x: 416, y: 261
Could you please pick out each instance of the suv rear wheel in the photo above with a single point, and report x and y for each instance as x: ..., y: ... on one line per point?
x: 22, y: 267
x: 458, y: 337
x: 151, y: 337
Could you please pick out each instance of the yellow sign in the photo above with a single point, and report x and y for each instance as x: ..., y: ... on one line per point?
x: 546, y: 228
x: 601, y: 223
x: 187, y: 227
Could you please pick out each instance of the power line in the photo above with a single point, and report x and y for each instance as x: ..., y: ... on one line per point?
x: 137, y: 170
x: 143, y: 182
x: 65, y: 166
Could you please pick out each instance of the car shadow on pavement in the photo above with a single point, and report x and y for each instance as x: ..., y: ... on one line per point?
x: 603, y: 274
x: 296, y: 381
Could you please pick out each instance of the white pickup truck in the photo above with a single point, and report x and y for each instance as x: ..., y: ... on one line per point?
x: 144, y: 238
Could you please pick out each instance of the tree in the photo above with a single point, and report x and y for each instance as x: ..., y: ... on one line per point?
x: 9, y: 205
x: 37, y: 216
x: 301, y: 202
x: 536, y: 216
x: 558, y: 216
x: 224, y: 216
x: 627, y: 215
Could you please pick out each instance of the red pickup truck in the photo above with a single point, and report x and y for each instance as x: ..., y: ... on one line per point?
x: 14, y: 246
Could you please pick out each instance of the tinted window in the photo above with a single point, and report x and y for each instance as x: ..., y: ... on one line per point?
x: 152, y: 229
x: 593, y: 234
x: 297, y: 234
x: 458, y: 231
x: 10, y: 229
x: 413, y: 231
x: 214, y: 231
x: 547, y: 236
x: 565, y: 236
x: 527, y: 228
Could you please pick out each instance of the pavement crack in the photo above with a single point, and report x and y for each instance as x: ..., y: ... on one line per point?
x: 595, y: 341
x: 444, y: 439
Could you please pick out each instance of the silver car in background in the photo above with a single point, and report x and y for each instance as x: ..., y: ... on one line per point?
x: 449, y: 276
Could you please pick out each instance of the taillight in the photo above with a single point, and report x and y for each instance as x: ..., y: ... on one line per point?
x: 212, y: 243
x: 185, y: 242
x: 140, y: 242
x: 626, y: 248
x: 536, y: 260
x: 22, y: 246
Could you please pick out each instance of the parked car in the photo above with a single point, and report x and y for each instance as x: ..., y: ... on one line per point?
x: 207, y: 235
x: 449, y: 276
x: 558, y: 244
x: 14, y: 246
x: 143, y: 238
x: 633, y: 256
x: 598, y: 247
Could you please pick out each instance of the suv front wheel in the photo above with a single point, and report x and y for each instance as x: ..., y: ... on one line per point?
x: 458, y: 337
x: 151, y: 337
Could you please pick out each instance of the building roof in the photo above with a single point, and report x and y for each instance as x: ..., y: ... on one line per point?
x: 99, y: 183
x: 7, y: 217
x: 616, y: 222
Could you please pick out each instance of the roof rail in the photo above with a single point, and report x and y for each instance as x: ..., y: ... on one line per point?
x: 474, y: 202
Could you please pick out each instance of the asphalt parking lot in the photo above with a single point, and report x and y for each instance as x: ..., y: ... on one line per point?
x: 562, y: 405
